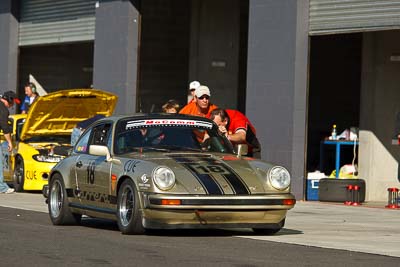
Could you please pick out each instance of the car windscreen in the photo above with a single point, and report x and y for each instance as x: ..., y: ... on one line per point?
x: 185, y: 136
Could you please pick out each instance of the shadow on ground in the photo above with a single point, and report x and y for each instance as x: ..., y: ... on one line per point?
x: 112, y: 226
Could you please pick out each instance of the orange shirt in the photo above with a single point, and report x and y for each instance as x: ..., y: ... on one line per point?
x: 191, y: 109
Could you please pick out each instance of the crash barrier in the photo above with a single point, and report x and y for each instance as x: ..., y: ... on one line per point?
x: 393, y: 198
x: 335, y: 190
x: 353, y: 195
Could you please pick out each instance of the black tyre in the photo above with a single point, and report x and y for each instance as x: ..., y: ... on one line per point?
x: 335, y: 190
x: 269, y: 231
x: 129, y: 216
x: 19, y: 174
x: 58, y: 204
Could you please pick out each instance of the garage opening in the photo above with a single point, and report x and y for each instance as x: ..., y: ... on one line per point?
x: 334, y: 97
x: 56, y: 67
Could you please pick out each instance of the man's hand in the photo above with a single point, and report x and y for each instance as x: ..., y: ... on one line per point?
x: 10, y: 147
x: 222, y: 130
x: 9, y: 141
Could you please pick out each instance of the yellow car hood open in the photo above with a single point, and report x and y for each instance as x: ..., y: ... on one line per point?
x: 57, y: 113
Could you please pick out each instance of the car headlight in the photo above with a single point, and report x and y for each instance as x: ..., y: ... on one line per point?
x: 47, y: 158
x: 279, y: 177
x: 163, y: 177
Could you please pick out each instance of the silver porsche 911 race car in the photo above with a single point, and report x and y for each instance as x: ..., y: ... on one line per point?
x: 166, y: 171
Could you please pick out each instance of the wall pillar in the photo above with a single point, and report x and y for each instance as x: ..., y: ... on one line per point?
x: 276, y: 96
x: 8, y: 45
x: 116, y: 51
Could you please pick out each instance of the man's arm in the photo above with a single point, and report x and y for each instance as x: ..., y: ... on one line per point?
x: 8, y: 138
x: 238, y: 137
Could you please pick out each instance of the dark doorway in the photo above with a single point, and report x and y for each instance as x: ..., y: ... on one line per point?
x: 334, y: 95
x: 56, y: 67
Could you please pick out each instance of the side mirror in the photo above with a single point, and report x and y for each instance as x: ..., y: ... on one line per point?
x: 97, y: 150
x: 242, y: 149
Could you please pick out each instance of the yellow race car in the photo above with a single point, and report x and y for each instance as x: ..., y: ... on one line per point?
x: 42, y: 137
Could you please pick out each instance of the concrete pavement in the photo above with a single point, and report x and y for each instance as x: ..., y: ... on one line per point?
x: 25, y: 201
x: 369, y: 228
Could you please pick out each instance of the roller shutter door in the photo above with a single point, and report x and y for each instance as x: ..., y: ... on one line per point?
x: 56, y: 21
x: 341, y: 16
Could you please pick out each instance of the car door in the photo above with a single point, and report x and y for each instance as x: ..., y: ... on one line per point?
x: 93, y: 173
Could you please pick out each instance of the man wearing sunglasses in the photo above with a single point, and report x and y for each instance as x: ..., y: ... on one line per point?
x: 202, y: 106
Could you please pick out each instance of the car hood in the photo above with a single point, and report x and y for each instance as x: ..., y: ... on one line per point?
x: 218, y: 173
x: 57, y: 113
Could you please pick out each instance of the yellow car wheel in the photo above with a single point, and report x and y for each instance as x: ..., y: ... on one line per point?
x: 19, y: 177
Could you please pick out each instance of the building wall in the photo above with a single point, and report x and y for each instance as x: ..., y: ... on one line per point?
x: 116, y: 51
x: 215, y: 49
x: 164, y: 53
x: 277, y: 82
x: 8, y: 45
x: 380, y: 98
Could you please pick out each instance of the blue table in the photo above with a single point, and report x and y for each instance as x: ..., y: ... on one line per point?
x: 338, y: 144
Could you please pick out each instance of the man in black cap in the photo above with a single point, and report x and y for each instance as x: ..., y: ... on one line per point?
x: 7, y: 101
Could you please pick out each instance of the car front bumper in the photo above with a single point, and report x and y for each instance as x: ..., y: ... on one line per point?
x: 226, y: 202
x: 262, y: 211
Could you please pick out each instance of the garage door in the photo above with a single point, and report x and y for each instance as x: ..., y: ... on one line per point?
x: 61, y: 21
x: 341, y: 16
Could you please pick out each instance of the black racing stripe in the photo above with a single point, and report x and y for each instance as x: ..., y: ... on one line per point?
x: 239, y: 187
x: 237, y: 183
x: 209, y: 184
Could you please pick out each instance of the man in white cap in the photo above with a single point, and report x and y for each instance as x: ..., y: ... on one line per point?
x: 201, y: 106
x: 192, y: 87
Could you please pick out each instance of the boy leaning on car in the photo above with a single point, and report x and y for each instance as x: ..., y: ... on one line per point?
x: 7, y: 100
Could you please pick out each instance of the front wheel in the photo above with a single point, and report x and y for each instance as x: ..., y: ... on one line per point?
x: 58, y: 204
x: 19, y: 174
x: 129, y: 216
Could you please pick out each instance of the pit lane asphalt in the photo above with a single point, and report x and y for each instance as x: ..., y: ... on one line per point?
x: 369, y: 228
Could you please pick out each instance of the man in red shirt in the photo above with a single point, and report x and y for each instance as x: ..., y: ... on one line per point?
x: 201, y: 106
x: 237, y: 128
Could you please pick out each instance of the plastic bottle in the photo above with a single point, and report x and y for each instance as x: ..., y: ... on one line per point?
x: 334, y: 133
